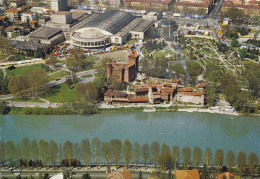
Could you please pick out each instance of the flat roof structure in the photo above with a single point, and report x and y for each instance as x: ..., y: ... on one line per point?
x: 45, y: 33
x: 111, y: 21
x: 142, y: 26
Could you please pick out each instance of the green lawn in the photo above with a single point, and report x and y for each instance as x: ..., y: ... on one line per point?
x: 3, y: 55
x: 35, y: 100
x: 21, y: 70
x: 164, y: 52
x: 58, y: 75
x: 60, y: 94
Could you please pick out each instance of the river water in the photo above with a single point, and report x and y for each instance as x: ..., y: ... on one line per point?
x: 174, y: 128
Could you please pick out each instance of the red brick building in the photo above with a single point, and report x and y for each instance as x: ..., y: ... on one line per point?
x: 123, y: 72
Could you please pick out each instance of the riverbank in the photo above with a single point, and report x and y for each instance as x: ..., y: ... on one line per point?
x: 66, y: 111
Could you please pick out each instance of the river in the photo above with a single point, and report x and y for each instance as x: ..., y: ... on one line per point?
x: 216, y: 131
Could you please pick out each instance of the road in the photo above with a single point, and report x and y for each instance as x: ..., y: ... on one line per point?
x: 215, y: 10
x: 92, y: 172
x: 79, y: 74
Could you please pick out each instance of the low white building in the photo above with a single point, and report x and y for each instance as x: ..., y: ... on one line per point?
x: 28, y: 16
x: 229, y: 109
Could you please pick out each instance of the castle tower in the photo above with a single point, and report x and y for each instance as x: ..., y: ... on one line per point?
x: 109, y: 66
x: 133, y: 60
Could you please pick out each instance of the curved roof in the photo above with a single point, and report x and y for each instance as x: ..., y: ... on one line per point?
x: 90, y: 35
x: 111, y: 21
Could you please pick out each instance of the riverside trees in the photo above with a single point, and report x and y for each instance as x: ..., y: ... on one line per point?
x: 46, y: 154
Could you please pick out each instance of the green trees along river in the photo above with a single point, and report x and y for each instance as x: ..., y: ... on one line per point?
x: 51, y: 154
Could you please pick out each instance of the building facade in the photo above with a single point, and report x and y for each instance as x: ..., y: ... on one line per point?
x: 149, y: 4
x: 59, y: 5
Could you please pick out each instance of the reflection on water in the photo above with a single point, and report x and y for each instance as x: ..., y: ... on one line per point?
x: 174, y: 128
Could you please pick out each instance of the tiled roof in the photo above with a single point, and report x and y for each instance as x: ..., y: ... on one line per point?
x: 187, y: 174
x: 120, y: 174
x: 191, y: 4
x: 175, y: 80
x: 201, y: 85
x: 2, y: 18
x: 33, y: 21
x: 166, y: 2
x: 184, y: 89
x: 226, y: 175
x: 133, y: 55
x: 62, y: 13
x: 228, y: 4
x: 110, y: 93
x: 12, y: 10
x: 10, y: 28
x: 192, y: 93
x: 141, y: 89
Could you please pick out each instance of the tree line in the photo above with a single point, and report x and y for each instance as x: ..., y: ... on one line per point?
x: 50, y: 153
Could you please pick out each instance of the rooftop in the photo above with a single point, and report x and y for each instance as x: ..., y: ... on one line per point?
x: 187, y: 174
x: 45, y: 32
x: 142, y: 26
x: 166, y: 2
x: 62, y: 13
x: 111, y: 21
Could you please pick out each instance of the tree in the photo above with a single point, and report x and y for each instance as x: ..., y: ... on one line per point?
x: 137, y: 149
x: 2, y: 153
x: 89, y: 92
x: 86, y: 151
x: 234, y: 42
x: 251, y: 75
x: 4, y: 83
x: 127, y: 151
x: 69, y: 81
x: 86, y: 176
x: 77, y: 153
x: 145, y: 153
x: 68, y: 151
x: 230, y: 159
x: 241, y: 162
x: 208, y: 157
x: 186, y: 156
x: 10, y: 152
x: 155, y: 150
x: 25, y: 148
x: 35, y: 151
x: 43, y: 149
x: 140, y: 176
x: 236, y: 15
x: 197, y: 156
x: 222, y: 47
x: 175, y: 155
x: 96, y: 149
x: 116, y: 150
x: 60, y: 153
x: 219, y: 158
x: 18, y: 154
x: 242, y: 53
x: 52, y: 60
x: 74, y: 63
x: 165, y: 157
x: 53, y: 152
x: 106, y: 152
x: 253, y: 161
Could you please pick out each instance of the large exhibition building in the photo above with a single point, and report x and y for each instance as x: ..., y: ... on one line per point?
x: 113, y: 27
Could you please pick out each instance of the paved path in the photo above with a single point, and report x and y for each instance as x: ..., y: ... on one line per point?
x: 4, y: 72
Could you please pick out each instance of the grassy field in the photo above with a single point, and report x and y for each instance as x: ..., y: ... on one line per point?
x: 35, y: 100
x: 58, y: 75
x: 164, y: 52
x: 21, y: 70
x: 3, y: 55
x: 61, y: 94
